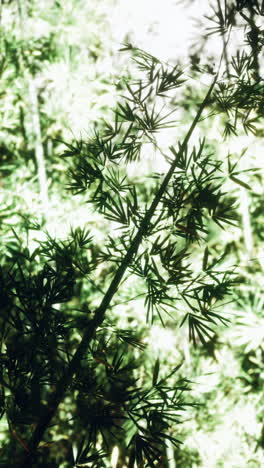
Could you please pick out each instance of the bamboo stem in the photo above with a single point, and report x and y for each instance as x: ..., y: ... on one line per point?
x: 170, y: 455
x: 39, y: 151
x: 247, y: 230
x: 36, y: 126
x: 57, y: 396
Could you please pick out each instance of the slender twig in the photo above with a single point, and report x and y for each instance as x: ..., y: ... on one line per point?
x: 223, y: 34
x: 255, y: 33
x: 57, y: 396
x: 244, y: 198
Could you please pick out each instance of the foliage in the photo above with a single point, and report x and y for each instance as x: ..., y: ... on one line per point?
x: 76, y: 380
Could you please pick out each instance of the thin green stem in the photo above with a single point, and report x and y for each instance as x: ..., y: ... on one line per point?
x: 57, y: 396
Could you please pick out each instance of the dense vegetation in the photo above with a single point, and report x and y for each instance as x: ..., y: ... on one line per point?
x: 131, y: 269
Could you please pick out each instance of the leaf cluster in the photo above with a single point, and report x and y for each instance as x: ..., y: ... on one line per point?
x: 49, y: 339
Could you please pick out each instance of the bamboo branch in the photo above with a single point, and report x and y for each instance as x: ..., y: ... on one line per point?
x: 255, y: 32
x: 57, y: 396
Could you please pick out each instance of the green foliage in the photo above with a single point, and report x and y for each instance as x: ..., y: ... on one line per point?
x: 76, y: 311
x: 34, y: 299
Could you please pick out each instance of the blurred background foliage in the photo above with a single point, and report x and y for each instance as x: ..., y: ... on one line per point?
x: 60, y: 73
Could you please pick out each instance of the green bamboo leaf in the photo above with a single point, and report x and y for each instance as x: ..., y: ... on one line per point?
x: 156, y: 372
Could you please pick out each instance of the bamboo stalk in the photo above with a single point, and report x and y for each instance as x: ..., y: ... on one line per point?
x: 56, y: 398
x: 36, y: 126
x: 247, y: 230
x: 39, y: 151
x: 170, y: 455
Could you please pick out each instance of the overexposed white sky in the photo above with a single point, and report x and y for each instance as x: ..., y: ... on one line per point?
x: 164, y: 28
